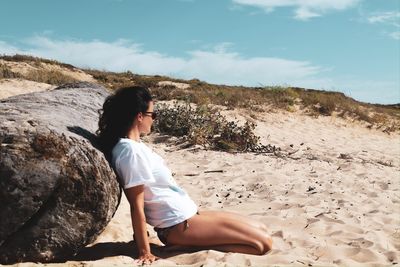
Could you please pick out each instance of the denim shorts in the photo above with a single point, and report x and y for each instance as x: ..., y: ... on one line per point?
x: 163, y: 233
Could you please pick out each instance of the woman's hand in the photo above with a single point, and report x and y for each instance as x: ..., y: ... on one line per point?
x: 146, y: 259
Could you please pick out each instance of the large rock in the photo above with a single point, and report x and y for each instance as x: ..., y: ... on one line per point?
x: 57, y: 191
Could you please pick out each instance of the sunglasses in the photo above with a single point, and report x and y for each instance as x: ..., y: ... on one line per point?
x: 153, y: 115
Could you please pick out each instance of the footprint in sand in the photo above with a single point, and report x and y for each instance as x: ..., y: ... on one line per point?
x: 278, y: 234
x: 360, y: 243
x: 372, y: 194
x: 383, y: 185
x: 335, y: 233
x: 348, y: 252
x: 392, y: 256
x: 328, y: 219
x: 363, y: 255
x: 353, y: 229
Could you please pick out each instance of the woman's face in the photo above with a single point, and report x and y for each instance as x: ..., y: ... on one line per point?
x: 146, y: 120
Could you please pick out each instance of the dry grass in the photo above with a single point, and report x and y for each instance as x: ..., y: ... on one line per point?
x: 312, y: 102
x: 54, y: 77
x: 111, y: 80
x: 36, y: 61
x: 205, y: 126
x: 38, y: 74
x: 6, y: 72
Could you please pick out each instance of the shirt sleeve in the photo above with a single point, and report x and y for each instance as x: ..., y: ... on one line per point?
x: 133, y: 169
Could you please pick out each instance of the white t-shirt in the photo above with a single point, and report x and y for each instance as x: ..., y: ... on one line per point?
x: 165, y: 203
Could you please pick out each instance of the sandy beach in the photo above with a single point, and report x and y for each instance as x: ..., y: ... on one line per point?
x: 331, y: 199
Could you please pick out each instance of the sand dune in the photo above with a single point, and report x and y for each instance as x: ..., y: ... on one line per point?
x: 11, y: 87
x: 24, y: 68
x: 332, y: 198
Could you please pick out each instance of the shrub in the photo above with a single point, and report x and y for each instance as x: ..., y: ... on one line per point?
x: 6, y: 72
x: 112, y: 80
x: 280, y: 97
x: 203, y: 125
x: 49, y: 76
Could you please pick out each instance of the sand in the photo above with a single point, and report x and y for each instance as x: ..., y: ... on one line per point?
x: 11, y: 87
x: 25, y: 68
x: 333, y: 199
x: 175, y: 84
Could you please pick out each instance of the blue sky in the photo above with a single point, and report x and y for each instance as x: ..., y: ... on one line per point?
x: 352, y: 46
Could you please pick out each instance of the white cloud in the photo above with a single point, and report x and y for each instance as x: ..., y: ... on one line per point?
x: 304, y: 9
x: 395, y: 35
x: 305, y: 14
x: 216, y: 65
x: 7, y: 49
x: 120, y: 55
x: 230, y: 68
x: 389, y: 19
x: 372, y: 91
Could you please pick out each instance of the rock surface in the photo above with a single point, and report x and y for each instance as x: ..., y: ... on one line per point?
x: 57, y: 191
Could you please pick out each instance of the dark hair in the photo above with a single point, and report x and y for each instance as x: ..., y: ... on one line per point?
x: 118, y: 113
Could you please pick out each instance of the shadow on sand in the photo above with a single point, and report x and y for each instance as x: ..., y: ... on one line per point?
x: 110, y: 249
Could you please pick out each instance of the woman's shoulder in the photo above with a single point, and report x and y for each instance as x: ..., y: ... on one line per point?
x: 127, y: 150
x: 126, y: 145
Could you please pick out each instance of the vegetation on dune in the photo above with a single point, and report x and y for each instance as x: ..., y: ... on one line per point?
x: 37, y: 74
x: 7, y: 73
x: 254, y: 99
x: 205, y: 126
x: 36, y: 61
x: 54, y: 77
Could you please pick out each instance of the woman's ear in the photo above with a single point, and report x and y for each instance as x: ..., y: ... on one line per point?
x: 139, y: 117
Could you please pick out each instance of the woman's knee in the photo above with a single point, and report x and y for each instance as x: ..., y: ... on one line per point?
x: 262, y: 227
x: 267, y: 244
x: 264, y: 245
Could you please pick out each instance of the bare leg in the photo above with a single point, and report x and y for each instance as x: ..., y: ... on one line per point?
x: 238, y: 217
x: 221, y: 231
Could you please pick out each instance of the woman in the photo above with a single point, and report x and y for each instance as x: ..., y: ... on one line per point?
x: 153, y: 195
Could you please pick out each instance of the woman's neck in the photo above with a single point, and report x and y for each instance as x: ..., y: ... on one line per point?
x: 134, y: 134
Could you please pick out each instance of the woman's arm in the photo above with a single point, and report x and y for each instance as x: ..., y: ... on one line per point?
x: 135, y: 196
